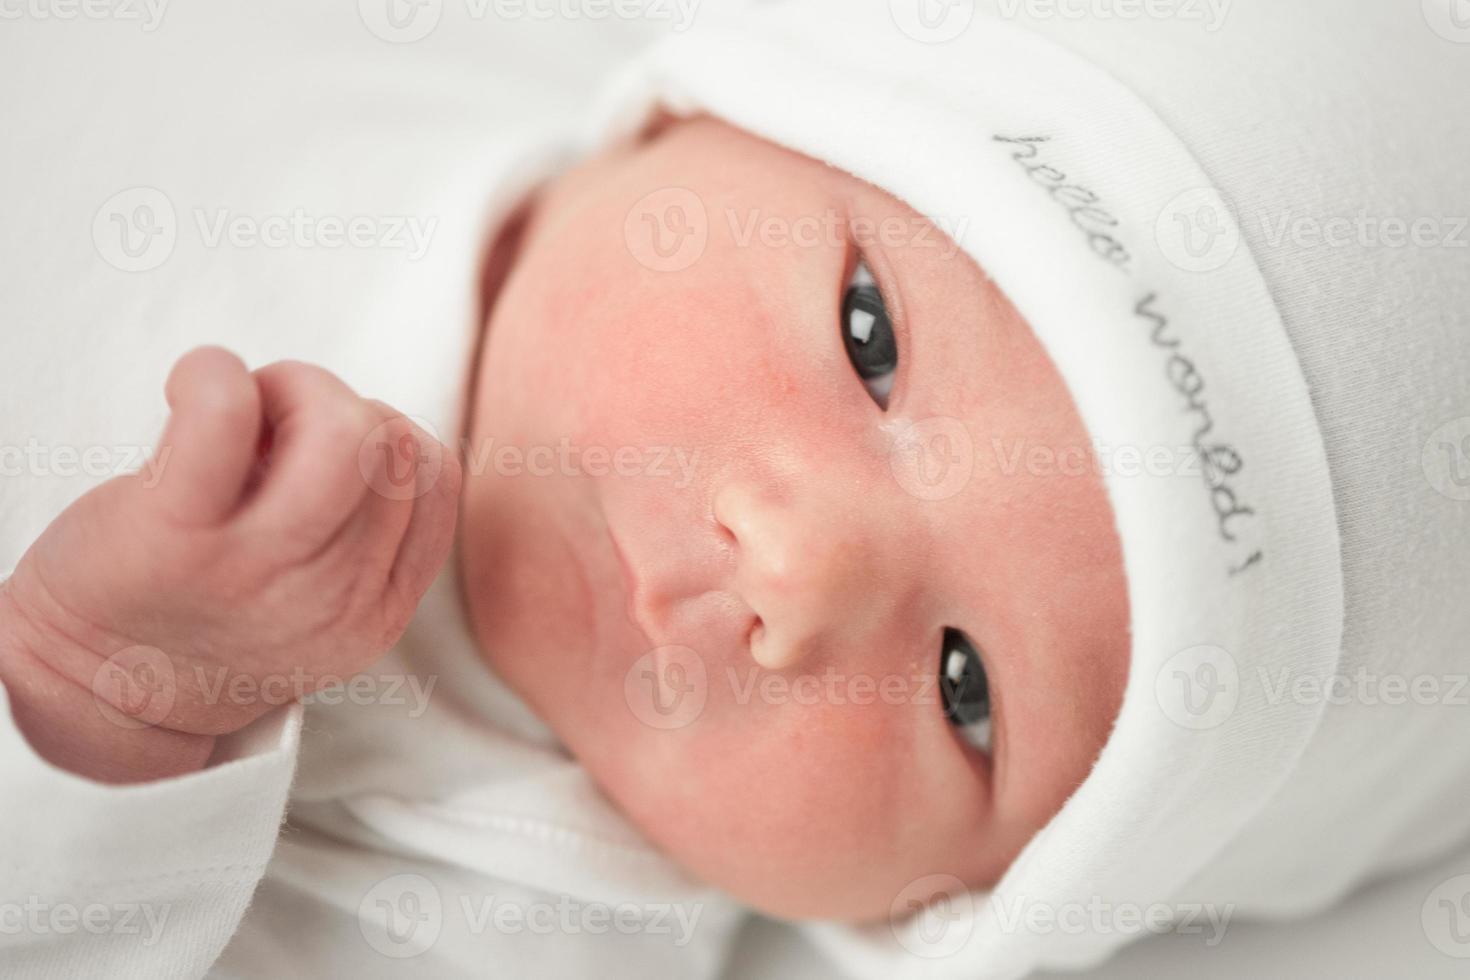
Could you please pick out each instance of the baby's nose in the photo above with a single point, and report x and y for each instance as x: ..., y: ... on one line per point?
x: 804, y: 567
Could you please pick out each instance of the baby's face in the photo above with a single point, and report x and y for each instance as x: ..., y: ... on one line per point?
x: 796, y: 541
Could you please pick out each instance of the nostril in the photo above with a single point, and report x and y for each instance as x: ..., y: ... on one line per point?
x: 726, y: 535
x: 755, y: 631
x: 732, y: 510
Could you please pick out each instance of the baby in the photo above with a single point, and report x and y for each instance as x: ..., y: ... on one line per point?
x: 800, y: 380
x: 1042, y: 486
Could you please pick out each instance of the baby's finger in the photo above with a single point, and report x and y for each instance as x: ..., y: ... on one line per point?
x: 430, y: 532
x: 209, y: 444
x: 396, y: 459
x: 312, y: 484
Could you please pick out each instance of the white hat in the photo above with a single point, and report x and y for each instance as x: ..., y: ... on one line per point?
x: 1132, y: 226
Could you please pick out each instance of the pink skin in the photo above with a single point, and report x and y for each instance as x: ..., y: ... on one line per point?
x: 794, y: 550
x: 271, y: 545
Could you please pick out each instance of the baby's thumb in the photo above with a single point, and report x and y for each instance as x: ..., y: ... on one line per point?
x: 209, y: 446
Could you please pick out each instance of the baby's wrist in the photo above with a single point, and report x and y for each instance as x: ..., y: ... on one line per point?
x: 66, y: 724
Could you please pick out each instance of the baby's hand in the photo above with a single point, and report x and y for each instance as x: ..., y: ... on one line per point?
x: 279, y: 541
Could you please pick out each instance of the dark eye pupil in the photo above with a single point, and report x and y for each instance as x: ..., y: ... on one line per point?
x: 867, y: 332
x: 962, y: 680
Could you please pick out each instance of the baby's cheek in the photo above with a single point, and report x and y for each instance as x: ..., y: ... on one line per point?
x: 799, y: 802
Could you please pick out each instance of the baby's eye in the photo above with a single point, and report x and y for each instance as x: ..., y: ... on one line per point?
x: 965, y: 689
x: 867, y: 334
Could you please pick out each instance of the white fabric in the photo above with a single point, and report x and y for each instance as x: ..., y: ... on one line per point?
x: 1319, y: 379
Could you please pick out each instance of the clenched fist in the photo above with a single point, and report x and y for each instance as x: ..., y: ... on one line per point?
x: 287, y: 528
